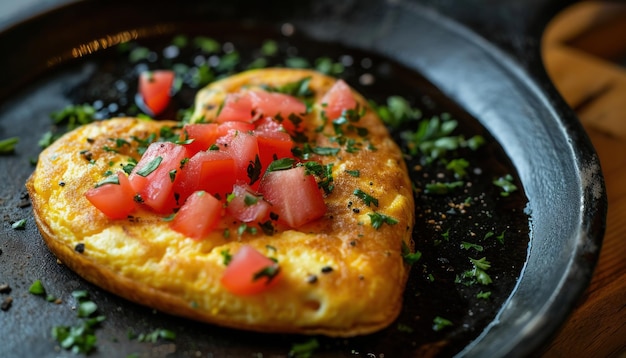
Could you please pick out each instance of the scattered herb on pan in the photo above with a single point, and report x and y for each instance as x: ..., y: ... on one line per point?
x: 19, y: 224
x: 304, y: 349
x: 152, y: 337
x: 440, y: 323
x: 80, y: 338
x: 8, y: 145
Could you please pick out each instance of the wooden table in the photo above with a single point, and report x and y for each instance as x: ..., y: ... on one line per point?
x: 583, y: 47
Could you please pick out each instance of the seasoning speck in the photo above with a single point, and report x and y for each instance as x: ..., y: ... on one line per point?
x: 80, y: 248
x: 61, y: 183
x: 6, y: 304
x: 311, y: 279
x: 5, y: 288
x: 327, y: 269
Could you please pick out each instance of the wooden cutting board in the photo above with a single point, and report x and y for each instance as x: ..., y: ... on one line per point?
x: 584, y: 50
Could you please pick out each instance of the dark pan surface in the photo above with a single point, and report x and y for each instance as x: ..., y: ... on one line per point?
x: 556, y: 165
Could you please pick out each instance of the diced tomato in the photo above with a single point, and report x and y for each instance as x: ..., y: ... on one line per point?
x: 155, y: 89
x: 234, y: 126
x: 198, y: 216
x: 274, y: 145
x: 294, y: 196
x: 203, y: 136
x: 116, y: 201
x: 247, y: 206
x: 250, y: 272
x: 270, y: 104
x: 154, y: 180
x: 211, y: 171
x: 244, y: 149
x: 237, y: 107
x: 338, y: 98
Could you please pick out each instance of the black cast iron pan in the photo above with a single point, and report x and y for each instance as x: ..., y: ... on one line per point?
x: 481, y: 56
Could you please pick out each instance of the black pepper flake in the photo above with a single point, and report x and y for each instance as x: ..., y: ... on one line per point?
x: 61, y: 183
x: 311, y: 279
x: 353, y: 243
x: 6, y: 304
x: 356, y: 210
x: 80, y: 248
x: 87, y: 155
x: 5, y: 288
x: 327, y: 269
x: 90, y: 140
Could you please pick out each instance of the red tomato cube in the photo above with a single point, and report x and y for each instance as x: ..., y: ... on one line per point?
x: 211, y: 171
x: 244, y: 149
x: 274, y: 145
x: 294, y: 196
x: 250, y: 272
x: 201, y: 135
x: 247, y: 206
x: 116, y: 201
x: 198, y: 216
x: 156, y: 173
x: 155, y: 89
x: 338, y: 98
x: 237, y: 107
x: 270, y: 104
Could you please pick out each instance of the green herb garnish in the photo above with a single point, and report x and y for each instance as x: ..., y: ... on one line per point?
x: 150, y: 167
x: 8, y: 145
x: 367, y: 199
x: 378, y: 219
x: 304, y: 349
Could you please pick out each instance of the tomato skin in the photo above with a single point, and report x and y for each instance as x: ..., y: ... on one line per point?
x: 226, y: 128
x: 155, y: 89
x: 274, y: 145
x: 238, y: 278
x: 244, y: 149
x: 270, y: 104
x: 156, y: 189
x: 237, y: 107
x: 113, y: 200
x: 294, y: 196
x: 338, y: 98
x: 258, y: 211
x: 204, y: 135
x: 211, y: 171
x: 198, y: 216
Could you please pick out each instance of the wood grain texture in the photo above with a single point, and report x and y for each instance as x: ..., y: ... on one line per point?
x: 587, y: 75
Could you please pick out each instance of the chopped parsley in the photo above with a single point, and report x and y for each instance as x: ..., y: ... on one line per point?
x: 378, y: 219
x: 111, y: 179
x: 80, y: 338
x: 150, y: 167
x: 304, y: 349
x: 8, y: 145
x: 36, y: 288
x: 410, y: 257
x: 269, y: 272
x: 506, y: 184
x: 367, y: 199
x: 354, y: 173
x: 154, y: 336
x: 74, y: 115
x: 439, y: 323
x: 19, y: 225
x: 439, y: 188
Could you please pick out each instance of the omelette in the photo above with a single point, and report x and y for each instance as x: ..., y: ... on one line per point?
x: 339, y: 272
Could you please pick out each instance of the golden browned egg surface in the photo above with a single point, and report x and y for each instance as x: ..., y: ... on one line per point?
x: 359, y: 268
